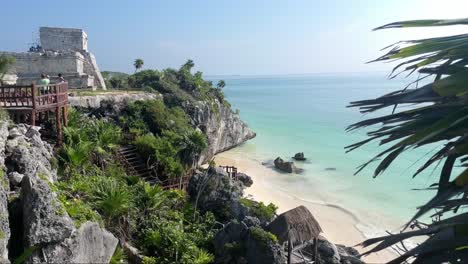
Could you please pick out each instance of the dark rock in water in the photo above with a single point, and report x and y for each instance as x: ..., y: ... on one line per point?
x: 245, y: 179
x: 286, y: 166
x: 330, y: 169
x: 246, y: 242
x: 299, y: 156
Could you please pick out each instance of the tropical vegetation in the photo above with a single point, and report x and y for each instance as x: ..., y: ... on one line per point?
x: 436, y: 119
x: 94, y: 185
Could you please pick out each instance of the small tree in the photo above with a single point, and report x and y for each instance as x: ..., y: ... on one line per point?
x: 5, y: 64
x: 138, y: 64
x: 221, y: 84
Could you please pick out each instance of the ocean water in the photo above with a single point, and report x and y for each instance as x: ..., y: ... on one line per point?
x: 308, y: 113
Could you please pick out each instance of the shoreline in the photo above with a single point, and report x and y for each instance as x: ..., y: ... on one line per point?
x: 340, y: 225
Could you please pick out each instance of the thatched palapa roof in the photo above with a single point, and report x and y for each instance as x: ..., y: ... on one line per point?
x: 297, y: 224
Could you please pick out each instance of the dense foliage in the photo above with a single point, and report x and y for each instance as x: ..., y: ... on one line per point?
x: 94, y: 186
x: 265, y: 213
x: 164, y: 136
x: 438, y: 117
x: 177, y: 86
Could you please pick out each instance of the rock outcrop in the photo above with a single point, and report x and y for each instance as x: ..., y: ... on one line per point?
x: 88, y: 244
x: 224, y: 128
x: 109, y: 102
x: 286, y: 166
x: 4, y: 214
x: 329, y: 253
x: 36, y: 221
x: 213, y: 190
x: 245, y: 179
x: 247, y: 242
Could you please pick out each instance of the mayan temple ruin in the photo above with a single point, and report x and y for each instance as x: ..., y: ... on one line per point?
x: 61, y: 50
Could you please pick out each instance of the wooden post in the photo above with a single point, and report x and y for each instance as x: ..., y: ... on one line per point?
x: 65, y: 115
x: 59, y: 125
x: 290, y: 248
x: 33, y: 117
x: 315, y: 249
x: 33, y: 90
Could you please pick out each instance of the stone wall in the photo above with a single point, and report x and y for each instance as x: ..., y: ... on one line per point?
x: 52, y: 63
x: 63, y: 39
x: 65, y: 51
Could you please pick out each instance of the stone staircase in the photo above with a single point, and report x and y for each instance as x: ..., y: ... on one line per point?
x: 135, y: 165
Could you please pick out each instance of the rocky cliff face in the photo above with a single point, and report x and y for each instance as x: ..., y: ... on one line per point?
x: 32, y: 218
x: 223, y: 127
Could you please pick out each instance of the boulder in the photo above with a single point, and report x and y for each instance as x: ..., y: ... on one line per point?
x: 299, y: 156
x: 240, y: 242
x: 27, y: 154
x: 15, y: 178
x: 88, y: 244
x: 213, y: 190
x: 329, y: 253
x: 286, y: 166
x: 44, y: 218
x: 245, y: 179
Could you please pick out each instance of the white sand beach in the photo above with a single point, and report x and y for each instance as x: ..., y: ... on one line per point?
x: 338, y: 224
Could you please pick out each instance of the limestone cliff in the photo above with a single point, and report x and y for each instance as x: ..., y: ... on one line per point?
x: 33, y: 219
x: 223, y: 127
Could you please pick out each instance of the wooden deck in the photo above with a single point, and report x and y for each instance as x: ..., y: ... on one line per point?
x: 34, y: 103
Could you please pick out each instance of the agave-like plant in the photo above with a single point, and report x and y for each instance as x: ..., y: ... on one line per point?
x: 438, y: 116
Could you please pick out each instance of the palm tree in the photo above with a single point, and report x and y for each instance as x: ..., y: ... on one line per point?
x: 138, y: 64
x: 221, y: 84
x: 438, y: 117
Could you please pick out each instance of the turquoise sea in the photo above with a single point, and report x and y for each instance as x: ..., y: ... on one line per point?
x: 308, y: 113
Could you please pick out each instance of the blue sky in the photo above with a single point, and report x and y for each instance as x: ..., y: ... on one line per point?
x: 230, y: 37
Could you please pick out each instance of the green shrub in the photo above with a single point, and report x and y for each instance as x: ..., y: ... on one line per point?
x: 263, y: 236
x: 118, y: 257
x: 79, y: 211
x: 111, y: 198
x: 259, y: 209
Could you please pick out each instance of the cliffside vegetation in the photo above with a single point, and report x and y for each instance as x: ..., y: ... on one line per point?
x: 177, y: 86
x: 437, y: 118
x: 94, y: 186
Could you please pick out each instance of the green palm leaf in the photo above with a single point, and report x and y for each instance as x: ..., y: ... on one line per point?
x: 438, y: 116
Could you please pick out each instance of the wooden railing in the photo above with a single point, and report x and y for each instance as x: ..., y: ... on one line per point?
x: 34, y: 96
x: 231, y: 171
x: 176, y: 183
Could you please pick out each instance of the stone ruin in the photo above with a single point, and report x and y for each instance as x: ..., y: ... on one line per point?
x: 61, y: 50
